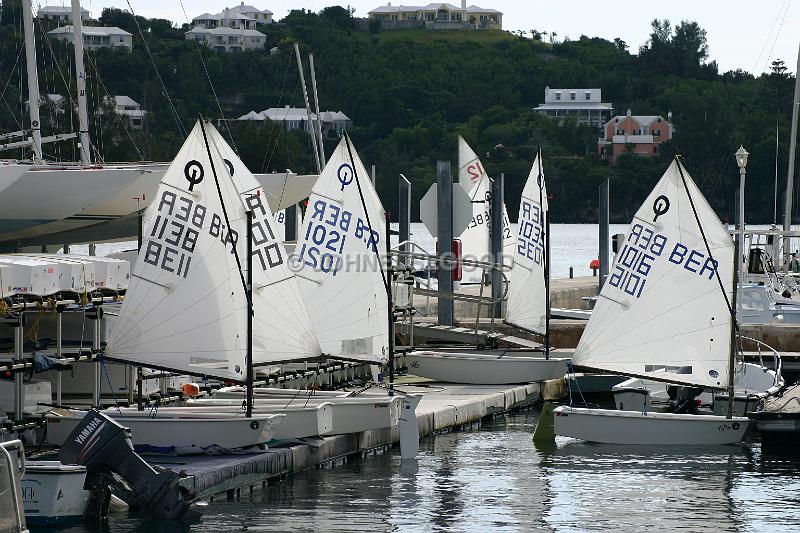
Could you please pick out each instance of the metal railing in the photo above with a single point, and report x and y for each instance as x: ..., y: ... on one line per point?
x: 431, y: 262
x: 776, y: 357
x: 16, y: 462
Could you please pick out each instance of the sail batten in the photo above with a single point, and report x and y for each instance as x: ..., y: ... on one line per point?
x: 661, y: 313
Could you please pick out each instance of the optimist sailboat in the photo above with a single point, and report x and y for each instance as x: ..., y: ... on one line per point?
x: 186, y: 307
x: 665, y: 313
x: 528, y: 304
x: 340, y: 258
x: 475, y: 239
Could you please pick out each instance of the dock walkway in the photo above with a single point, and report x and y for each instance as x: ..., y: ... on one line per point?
x: 444, y: 407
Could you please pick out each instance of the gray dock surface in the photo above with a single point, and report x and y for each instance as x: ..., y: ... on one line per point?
x: 444, y: 406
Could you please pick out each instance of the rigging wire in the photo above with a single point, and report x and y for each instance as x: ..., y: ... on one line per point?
x: 210, y: 84
x: 265, y: 164
x: 93, y: 64
x: 8, y: 83
x: 769, y: 36
x: 181, y: 130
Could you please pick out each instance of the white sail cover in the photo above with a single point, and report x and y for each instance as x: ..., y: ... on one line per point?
x: 661, y: 313
x: 337, y: 260
x: 185, y: 306
x: 281, y: 326
x: 527, y: 295
x: 476, y: 238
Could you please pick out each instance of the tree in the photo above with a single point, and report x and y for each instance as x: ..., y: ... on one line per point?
x: 778, y: 69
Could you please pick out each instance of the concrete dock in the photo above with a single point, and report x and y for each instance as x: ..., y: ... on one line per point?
x: 444, y: 407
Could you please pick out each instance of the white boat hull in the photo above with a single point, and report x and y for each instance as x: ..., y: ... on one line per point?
x: 298, y: 421
x: 350, y: 414
x: 183, y: 435
x: 608, y: 426
x: 474, y: 368
x: 53, y: 493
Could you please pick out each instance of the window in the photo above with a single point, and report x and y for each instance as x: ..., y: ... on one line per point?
x: 620, y: 132
x: 656, y: 133
x: 558, y: 95
x: 572, y: 95
x: 637, y: 132
x: 655, y: 149
x: 659, y: 120
x: 588, y: 95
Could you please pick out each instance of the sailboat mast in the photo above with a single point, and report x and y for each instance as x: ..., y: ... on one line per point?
x: 80, y: 72
x: 732, y: 357
x: 777, y: 145
x: 390, y: 302
x: 318, y: 122
x: 309, y: 121
x: 546, y: 258
x: 33, y: 80
x: 250, y: 310
x: 787, y: 215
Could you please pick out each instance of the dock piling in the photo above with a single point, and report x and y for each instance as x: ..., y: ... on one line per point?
x: 604, y: 225
x: 498, y: 193
x: 444, y: 191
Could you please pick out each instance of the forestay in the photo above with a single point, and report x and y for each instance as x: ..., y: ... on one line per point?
x: 476, y: 238
x: 185, y: 306
x: 527, y: 293
x: 662, y: 313
x: 281, y: 326
x: 340, y: 260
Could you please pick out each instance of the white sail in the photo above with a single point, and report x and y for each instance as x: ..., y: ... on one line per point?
x: 476, y: 238
x: 527, y: 294
x: 662, y: 312
x: 281, y: 326
x: 185, y: 306
x: 338, y: 260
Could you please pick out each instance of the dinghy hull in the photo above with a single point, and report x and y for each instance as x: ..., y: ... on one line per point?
x: 609, y: 426
x: 184, y: 435
x: 352, y: 414
x: 474, y: 368
x: 298, y: 422
x: 53, y: 493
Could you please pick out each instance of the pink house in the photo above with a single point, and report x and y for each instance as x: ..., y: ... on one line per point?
x: 638, y: 134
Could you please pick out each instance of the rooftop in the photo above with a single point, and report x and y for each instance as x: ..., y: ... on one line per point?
x: 91, y: 30
x: 225, y: 31
x: 389, y: 8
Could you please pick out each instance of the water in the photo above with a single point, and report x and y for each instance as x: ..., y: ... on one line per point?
x: 493, y: 478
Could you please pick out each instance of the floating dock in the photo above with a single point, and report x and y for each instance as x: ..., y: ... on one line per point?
x: 444, y: 407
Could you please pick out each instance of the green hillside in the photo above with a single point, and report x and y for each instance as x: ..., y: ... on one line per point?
x: 410, y: 94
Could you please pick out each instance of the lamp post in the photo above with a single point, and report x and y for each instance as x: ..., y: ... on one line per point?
x: 741, y: 161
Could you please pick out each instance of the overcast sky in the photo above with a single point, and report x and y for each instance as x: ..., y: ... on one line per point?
x: 746, y: 34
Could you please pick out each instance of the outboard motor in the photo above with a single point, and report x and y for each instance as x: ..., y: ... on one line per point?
x: 105, y: 448
x: 682, y: 399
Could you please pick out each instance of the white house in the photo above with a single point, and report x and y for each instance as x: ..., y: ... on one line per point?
x: 224, y: 39
x: 128, y: 107
x: 95, y: 37
x: 241, y: 16
x: 292, y: 118
x: 586, y: 104
x: 60, y: 13
x: 438, y: 16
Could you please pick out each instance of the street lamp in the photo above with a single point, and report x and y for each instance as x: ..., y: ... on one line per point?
x: 741, y: 160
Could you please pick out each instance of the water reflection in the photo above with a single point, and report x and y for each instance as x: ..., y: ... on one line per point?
x: 494, y: 478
